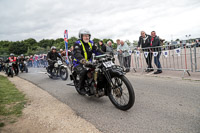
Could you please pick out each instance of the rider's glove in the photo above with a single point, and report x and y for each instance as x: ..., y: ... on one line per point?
x: 83, y: 61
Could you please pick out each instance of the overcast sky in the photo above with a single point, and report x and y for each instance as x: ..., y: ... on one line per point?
x: 123, y: 19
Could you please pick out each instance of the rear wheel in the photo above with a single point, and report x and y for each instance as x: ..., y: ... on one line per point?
x: 122, y: 94
x: 76, y: 82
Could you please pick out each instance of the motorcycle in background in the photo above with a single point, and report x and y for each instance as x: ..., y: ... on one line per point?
x: 10, y: 69
x: 23, y: 67
x: 59, y: 70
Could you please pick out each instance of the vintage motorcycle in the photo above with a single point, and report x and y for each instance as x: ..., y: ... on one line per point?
x: 23, y: 67
x: 104, y: 78
x: 10, y: 69
x: 59, y: 70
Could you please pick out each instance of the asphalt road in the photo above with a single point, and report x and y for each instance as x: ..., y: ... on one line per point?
x: 162, y: 105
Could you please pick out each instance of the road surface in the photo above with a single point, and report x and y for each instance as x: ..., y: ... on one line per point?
x: 162, y: 104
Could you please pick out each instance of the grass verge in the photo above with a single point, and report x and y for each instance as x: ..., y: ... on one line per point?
x: 12, y: 102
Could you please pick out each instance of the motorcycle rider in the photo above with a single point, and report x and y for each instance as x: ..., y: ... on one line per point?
x: 52, y: 58
x: 12, y: 59
x: 82, y: 53
x: 21, y: 61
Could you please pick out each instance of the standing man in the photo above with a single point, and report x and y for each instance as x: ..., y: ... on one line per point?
x: 155, y: 44
x: 119, y: 55
x: 144, y: 42
x: 70, y: 55
x: 61, y: 51
x: 126, y: 57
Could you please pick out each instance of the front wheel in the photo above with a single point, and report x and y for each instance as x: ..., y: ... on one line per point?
x: 63, y: 73
x: 122, y: 94
x: 26, y: 69
x: 11, y: 73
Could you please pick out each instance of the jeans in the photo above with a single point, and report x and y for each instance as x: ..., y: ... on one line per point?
x: 157, y: 61
x: 120, y: 59
x: 127, y: 62
x: 20, y: 66
x: 149, y: 60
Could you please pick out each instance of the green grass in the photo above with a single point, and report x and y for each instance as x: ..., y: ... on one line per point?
x: 12, y: 101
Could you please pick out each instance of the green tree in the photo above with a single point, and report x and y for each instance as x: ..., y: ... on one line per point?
x: 18, y: 48
x: 128, y: 42
x: 71, y: 41
x: 135, y: 43
x: 46, y: 42
x: 96, y: 41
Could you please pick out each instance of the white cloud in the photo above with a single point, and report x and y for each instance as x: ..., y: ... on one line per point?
x: 122, y: 19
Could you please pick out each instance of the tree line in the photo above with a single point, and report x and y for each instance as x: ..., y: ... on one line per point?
x: 31, y: 46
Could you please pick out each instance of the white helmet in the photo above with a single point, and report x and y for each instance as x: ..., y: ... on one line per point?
x: 53, y: 47
x: 83, y: 32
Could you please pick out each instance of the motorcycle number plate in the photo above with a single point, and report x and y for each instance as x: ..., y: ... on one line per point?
x: 108, y: 64
x: 59, y: 62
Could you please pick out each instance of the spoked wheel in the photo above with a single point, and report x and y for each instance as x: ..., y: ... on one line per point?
x: 11, y: 73
x: 122, y: 94
x: 63, y: 73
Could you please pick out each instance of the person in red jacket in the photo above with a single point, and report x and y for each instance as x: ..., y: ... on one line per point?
x: 12, y: 59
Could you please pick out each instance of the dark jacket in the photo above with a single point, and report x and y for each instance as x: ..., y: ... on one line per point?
x: 103, y: 48
x: 79, y: 53
x: 21, y: 60
x: 156, y: 43
x: 144, y: 43
x: 53, y: 56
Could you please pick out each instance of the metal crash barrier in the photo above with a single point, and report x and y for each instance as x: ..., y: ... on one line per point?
x: 172, y: 57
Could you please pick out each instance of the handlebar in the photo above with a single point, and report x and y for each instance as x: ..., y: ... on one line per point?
x: 102, y: 56
x: 90, y: 65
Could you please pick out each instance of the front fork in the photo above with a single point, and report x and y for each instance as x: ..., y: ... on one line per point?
x: 108, y: 77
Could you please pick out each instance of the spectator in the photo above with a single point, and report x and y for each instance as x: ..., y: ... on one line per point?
x: 35, y: 58
x: 102, y: 46
x: 126, y: 57
x: 41, y: 60
x: 70, y: 55
x: 144, y: 42
x: 60, y: 52
x: 155, y: 44
x: 197, y: 43
x: 1, y: 64
x: 109, y: 48
x: 45, y: 61
x: 63, y: 53
x: 119, y: 55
